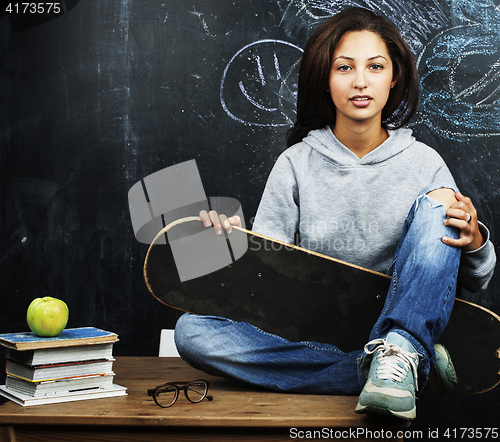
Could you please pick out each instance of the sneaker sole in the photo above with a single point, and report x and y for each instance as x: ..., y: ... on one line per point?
x: 447, y: 376
x: 383, y: 411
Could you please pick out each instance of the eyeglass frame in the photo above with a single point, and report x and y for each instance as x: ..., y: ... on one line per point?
x: 178, y: 386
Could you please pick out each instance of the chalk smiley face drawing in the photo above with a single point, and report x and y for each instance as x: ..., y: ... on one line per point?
x: 259, y: 84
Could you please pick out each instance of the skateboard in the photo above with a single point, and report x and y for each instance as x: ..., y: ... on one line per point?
x: 302, y: 295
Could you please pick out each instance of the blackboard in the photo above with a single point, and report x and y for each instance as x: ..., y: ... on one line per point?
x: 99, y: 95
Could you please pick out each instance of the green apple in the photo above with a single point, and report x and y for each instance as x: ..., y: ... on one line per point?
x: 47, y: 316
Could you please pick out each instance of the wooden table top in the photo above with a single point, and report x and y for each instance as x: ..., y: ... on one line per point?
x: 234, y: 405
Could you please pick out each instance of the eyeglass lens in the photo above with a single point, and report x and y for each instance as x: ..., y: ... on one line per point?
x: 167, y: 394
x: 196, y: 391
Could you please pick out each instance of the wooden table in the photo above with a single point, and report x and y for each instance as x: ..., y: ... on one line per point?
x: 238, y: 412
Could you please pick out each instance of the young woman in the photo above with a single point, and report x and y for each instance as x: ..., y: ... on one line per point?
x: 355, y: 185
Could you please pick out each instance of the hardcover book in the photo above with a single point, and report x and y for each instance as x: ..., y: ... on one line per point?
x: 27, y: 400
x: 58, y: 371
x: 44, y: 388
x: 68, y: 338
x: 60, y: 355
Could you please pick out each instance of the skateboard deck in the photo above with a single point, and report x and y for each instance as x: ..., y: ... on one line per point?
x: 305, y: 296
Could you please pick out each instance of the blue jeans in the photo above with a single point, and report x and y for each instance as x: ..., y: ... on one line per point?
x: 418, y: 306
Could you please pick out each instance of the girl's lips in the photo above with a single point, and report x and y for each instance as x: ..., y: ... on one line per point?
x: 361, y: 101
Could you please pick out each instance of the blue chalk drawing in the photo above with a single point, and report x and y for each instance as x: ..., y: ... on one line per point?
x: 415, y: 20
x: 460, y: 74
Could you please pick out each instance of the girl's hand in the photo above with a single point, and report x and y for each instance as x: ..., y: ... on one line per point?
x: 463, y: 216
x: 214, y: 219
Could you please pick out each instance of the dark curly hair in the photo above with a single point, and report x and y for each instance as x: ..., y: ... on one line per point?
x: 315, y: 108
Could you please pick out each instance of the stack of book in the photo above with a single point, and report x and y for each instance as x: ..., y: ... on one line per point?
x: 76, y: 365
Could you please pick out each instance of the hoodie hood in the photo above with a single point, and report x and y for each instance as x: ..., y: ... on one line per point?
x: 325, y: 142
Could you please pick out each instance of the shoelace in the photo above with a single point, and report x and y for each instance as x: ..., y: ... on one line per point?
x: 395, y: 362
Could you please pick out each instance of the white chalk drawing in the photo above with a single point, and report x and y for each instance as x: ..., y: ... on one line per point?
x: 259, y: 84
x: 203, y: 23
x: 460, y: 74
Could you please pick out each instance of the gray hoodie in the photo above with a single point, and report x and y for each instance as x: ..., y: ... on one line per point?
x: 321, y: 196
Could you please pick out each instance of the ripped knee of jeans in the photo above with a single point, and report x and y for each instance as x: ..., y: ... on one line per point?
x: 444, y: 196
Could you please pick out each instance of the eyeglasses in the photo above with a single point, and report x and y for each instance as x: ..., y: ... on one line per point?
x: 165, y: 395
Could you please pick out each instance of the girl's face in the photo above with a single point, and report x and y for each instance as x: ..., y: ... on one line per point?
x: 361, y: 78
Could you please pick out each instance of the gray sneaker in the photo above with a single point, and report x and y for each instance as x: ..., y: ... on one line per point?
x: 443, y: 378
x: 392, y: 380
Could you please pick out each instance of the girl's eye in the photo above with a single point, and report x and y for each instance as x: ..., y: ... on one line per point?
x: 377, y: 67
x: 344, y: 68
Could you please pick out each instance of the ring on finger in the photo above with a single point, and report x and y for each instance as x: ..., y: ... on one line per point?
x: 470, y: 217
